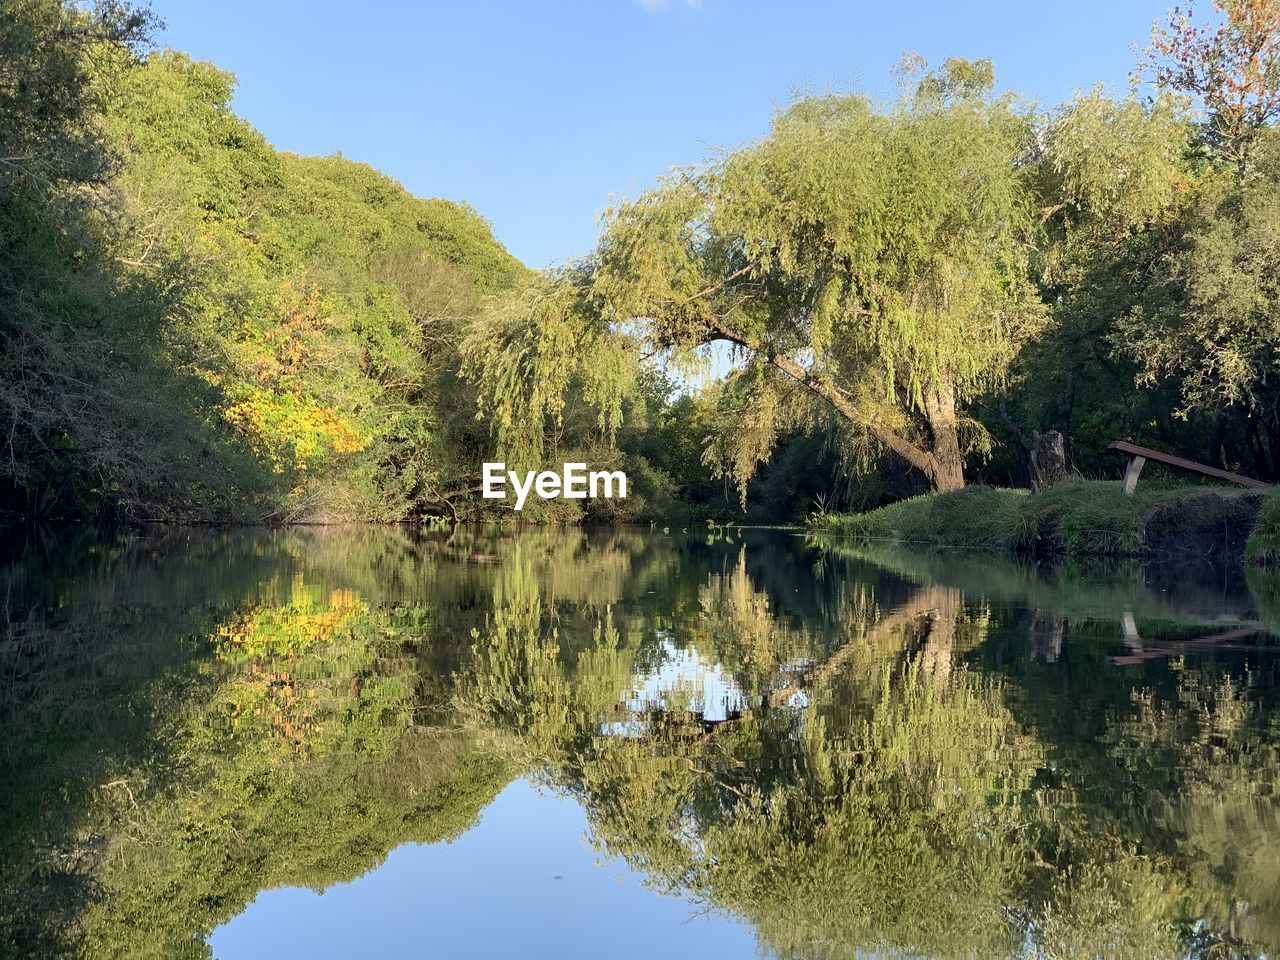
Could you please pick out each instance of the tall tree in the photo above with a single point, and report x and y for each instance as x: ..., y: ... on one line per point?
x: 1209, y: 315
x: 60, y: 415
x: 1231, y: 69
x: 47, y: 132
x: 874, y: 260
x: 1211, y: 322
x: 1114, y: 177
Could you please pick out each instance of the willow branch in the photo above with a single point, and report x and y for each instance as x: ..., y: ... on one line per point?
x: 843, y: 404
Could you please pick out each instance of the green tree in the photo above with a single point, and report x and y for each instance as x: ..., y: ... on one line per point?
x: 66, y: 428
x: 1218, y: 330
x: 1231, y: 68
x: 875, y: 258
x: 47, y: 109
x: 197, y: 326
x: 1194, y: 299
x: 1113, y: 178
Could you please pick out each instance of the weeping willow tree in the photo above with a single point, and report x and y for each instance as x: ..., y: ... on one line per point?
x: 540, y: 348
x: 867, y: 263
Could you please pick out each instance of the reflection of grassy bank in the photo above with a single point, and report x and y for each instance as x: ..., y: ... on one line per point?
x: 1173, y: 599
x: 1079, y: 517
x: 1265, y: 587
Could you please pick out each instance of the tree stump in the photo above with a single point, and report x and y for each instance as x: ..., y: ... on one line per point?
x: 1048, y: 459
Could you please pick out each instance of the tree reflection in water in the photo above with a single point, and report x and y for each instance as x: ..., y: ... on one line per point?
x: 854, y: 749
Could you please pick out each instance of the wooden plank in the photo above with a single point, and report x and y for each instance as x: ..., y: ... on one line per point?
x: 1136, y: 451
x: 1185, y: 646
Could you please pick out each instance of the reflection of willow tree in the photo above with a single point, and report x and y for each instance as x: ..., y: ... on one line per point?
x: 874, y: 794
x: 773, y: 659
x: 517, y: 682
x: 822, y: 825
x: 1180, y: 769
x: 832, y: 830
x: 1201, y: 779
x: 738, y: 628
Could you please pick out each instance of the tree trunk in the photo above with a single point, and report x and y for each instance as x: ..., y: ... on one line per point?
x: 1273, y: 444
x: 1216, y: 440
x: 946, y: 466
x: 943, y: 464
x: 1253, y: 447
x: 938, y: 653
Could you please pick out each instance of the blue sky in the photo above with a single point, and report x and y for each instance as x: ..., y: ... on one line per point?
x: 537, y: 113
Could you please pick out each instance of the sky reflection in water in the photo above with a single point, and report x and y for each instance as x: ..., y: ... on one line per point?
x: 527, y: 858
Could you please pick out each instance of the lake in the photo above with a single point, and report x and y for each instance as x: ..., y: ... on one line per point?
x: 331, y: 742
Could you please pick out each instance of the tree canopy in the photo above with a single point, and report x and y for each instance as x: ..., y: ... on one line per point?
x: 932, y: 279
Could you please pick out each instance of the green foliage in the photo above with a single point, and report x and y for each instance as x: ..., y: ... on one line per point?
x: 1264, y: 584
x: 1113, y: 167
x: 228, y: 332
x: 89, y: 416
x: 351, y: 297
x: 48, y: 136
x: 1264, y: 540
x: 1157, y: 256
x: 876, y: 258
x: 529, y: 356
x: 1219, y: 338
x: 1231, y: 68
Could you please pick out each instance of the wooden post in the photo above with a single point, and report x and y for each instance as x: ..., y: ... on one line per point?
x: 1131, y: 475
x: 1129, y: 631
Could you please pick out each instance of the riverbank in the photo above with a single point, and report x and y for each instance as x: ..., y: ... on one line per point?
x: 1080, y: 518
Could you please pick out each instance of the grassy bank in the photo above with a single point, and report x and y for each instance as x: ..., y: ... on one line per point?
x: 1264, y: 540
x: 1079, y: 517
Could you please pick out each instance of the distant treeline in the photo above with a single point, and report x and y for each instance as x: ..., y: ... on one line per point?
x: 195, y: 326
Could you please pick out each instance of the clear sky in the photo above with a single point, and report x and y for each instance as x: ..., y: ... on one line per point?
x: 537, y: 113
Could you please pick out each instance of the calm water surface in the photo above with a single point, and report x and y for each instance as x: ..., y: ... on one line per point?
x: 376, y: 742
